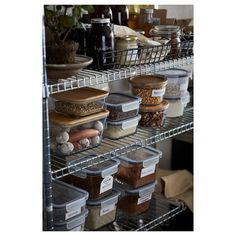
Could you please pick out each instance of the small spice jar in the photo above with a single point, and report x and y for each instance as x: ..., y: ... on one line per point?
x: 153, y: 116
x: 150, y: 88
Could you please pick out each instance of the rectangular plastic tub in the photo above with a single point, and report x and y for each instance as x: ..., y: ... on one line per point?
x: 70, y: 135
x: 102, y: 211
x: 73, y: 224
x: 68, y: 201
x: 138, y: 168
x: 80, y: 102
x: 97, y: 179
x: 122, y: 106
x: 134, y: 201
x: 119, y: 129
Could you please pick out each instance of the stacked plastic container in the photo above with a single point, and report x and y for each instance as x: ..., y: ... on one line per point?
x: 176, y: 92
x: 78, y: 120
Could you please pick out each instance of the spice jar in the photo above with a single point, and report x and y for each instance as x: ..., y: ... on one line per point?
x: 153, y: 116
x: 150, y: 88
x: 148, y: 18
x: 127, y: 50
x: 120, y: 14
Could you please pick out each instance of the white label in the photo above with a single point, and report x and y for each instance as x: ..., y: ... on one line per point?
x: 107, y: 209
x: 148, y: 170
x: 72, y: 213
x: 144, y: 198
x: 106, y: 184
x: 158, y: 92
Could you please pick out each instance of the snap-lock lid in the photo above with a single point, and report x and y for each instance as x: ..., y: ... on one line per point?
x: 124, y: 101
x: 175, y: 73
x: 184, y: 99
x: 100, y: 20
x: 148, y: 81
x: 161, y: 107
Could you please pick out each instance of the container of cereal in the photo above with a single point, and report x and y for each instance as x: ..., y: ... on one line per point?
x: 178, y: 80
x: 150, y: 88
x: 68, y: 201
x: 153, y: 116
x: 122, y: 106
x: 134, y: 201
x: 80, y: 102
x: 102, y: 211
x: 96, y: 179
x: 119, y: 129
x: 73, y: 224
x: 177, y: 105
x: 138, y: 168
x: 70, y: 135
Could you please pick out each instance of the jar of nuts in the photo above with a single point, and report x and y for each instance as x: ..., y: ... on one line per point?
x: 153, y: 116
x: 150, y: 88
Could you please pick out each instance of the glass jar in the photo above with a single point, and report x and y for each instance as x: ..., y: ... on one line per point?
x: 148, y: 17
x: 120, y: 14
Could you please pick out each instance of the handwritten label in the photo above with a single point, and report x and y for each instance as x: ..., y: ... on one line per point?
x: 147, y: 170
x: 107, y: 209
x: 144, y: 198
x: 106, y: 184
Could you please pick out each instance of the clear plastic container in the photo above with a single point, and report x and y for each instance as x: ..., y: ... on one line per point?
x: 68, y: 201
x: 138, y: 168
x: 73, y: 224
x: 70, y: 135
x: 178, y: 80
x: 134, y: 201
x: 80, y: 102
x: 177, y: 105
x: 122, y: 106
x: 153, y: 116
x: 97, y: 179
x: 119, y: 129
x: 150, y: 88
x: 102, y: 211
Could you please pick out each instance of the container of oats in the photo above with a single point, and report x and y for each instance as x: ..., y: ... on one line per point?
x: 80, y: 102
x: 119, y: 129
x: 153, y: 116
x: 102, y: 211
x: 178, y: 80
x: 138, y: 168
x: 151, y: 88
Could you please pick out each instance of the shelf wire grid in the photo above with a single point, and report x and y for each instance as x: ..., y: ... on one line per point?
x: 109, y: 149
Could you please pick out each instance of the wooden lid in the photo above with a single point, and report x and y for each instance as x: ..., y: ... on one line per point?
x: 81, y: 95
x: 148, y: 81
x: 163, y: 106
x: 67, y: 121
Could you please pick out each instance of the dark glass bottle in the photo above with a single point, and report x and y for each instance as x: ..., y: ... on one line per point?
x: 120, y: 14
x: 102, y: 11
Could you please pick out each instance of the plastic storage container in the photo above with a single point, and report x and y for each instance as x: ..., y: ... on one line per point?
x: 177, y: 105
x: 70, y: 135
x: 138, y: 168
x: 102, y: 211
x: 150, y: 88
x: 97, y: 179
x: 74, y: 224
x: 134, y: 201
x: 178, y: 80
x: 153, y: 116
x: 119, y: 129
x: 122, y: 106
x: 80, y: 102
x: 68, y: 201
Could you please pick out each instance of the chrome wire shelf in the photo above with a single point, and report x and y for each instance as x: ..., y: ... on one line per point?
x: 109, y: 149
x: 93, y: 77
x: 160, y: 210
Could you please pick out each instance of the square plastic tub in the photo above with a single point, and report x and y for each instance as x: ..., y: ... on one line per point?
x: 74, y: 224
x: 96, y: 179
x: 138, y: 168
x: 122, y: 106
x: 80, y: 102
x: 134, y: 201
x: 119, y: 129
x: 102, y: 211
x: 153, y: 116
x: 68, y: 201
x: 178, y: 80
x: 70, y: 135
x: 177, y: 105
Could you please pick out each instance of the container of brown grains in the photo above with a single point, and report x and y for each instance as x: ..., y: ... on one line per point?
x: 151, y: 88
x: 138, y: 168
